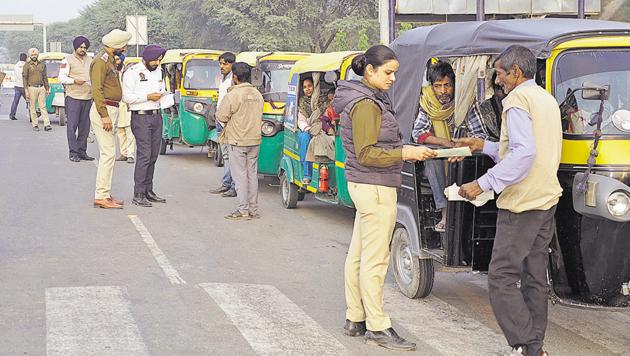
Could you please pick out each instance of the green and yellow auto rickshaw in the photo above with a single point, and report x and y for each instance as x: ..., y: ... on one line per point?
x: 193, y: 76
x: 129, y: 61
x: 328, y: 182
x: 585, y: 65
x: 56, y: 100
x: 271, y: 76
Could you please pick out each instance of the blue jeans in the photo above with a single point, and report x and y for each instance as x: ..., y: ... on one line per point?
x: 19, y: 93
x: 227, y: 180
x: 434, y: 170
x: 303, y: 140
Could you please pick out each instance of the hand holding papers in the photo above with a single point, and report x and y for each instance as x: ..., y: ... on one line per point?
x: 452, y: 194
x: 454, y: 152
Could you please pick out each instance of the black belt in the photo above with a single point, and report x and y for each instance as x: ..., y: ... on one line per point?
x: 36, y: 85
x: 145, y: 112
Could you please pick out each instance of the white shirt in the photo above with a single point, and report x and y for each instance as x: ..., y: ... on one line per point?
x: 138, y: 81
x: 17, y: 69
x: 223, y: 87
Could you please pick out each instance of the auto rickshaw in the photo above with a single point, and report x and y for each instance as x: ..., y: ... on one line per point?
x: 129, y: 61
x: 585, y: 65
x: 192, y: 75
x: 328, y: 181
x: 56, y: 100
x: 271, y: 76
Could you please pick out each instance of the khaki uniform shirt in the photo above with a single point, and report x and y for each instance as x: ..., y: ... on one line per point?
x: 34, y: 74
x: 241, y: 114
x: 105, y: 82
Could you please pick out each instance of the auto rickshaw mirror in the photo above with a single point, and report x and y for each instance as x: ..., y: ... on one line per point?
x: 257, y: 77
x: 330, y: 77
x: 593, y: 91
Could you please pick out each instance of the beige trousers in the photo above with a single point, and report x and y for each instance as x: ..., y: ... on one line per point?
x: 368, y: 255
x: 107, y: 150
x: 126, y: 141
x: 37, y: 95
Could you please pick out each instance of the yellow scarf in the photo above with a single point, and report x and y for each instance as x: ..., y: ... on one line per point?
x: 437, y: 113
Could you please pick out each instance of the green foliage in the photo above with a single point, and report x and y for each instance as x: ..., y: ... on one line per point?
x: 404, y: 26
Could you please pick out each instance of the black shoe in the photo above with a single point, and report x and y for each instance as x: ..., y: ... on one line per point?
x: 354, y: 329
x: 221, y: 189
x: 12, y: 117
x: 131, y: 160
x: 85, y: 157
x: 47, y: 128
x: 231, y: 193
x: 389, y: 340
x: 75, y: 159
x: 35, y: 128
x: 141, y: 200
x: 152, y: 197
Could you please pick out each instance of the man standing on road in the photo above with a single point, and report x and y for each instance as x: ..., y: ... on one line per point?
x: 241, y: 112
x: 143, y: 86
x: 126, y: 140
x: 18, y: 69
x: 74, y: 74
x: 36, y: 83
x: 107, y: 93
x: 227, y: 183
x: 528, y: 156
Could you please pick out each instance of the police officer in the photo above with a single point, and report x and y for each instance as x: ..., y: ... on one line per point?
x: 106, y: 93
x: 143, y: 87
x: 37, y: 88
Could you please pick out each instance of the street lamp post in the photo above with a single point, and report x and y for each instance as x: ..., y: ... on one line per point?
x: 481, y: 10
x: 581, y: 9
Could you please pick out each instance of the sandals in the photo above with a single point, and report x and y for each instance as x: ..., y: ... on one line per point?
x: 440, y: 226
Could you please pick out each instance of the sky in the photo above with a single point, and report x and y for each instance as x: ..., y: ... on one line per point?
x: 44, y: 10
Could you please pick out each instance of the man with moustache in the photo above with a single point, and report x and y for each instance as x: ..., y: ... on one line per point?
x: 143, y: 86
x: 107, y: 93
x: 36, y: 85
x: 435, y: 125
x: 74, y: 74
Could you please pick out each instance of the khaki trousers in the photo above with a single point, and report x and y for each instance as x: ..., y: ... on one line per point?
x: 107, y: 150
x: 127, y: 141
x: 368, y: 255
x: 37, y: 95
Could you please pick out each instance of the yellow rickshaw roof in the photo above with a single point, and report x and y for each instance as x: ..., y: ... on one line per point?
x: 177, y: 55
x: 212, y: 54
x: 133, y: 59
x: 251, y: 57
x: 322, y: 62
x: 52, y: 55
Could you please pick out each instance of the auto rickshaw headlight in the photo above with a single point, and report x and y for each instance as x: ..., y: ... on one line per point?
x: 621, y: 120
x: 198, y: 108
x: 618, y: 203
x: 268, y: 128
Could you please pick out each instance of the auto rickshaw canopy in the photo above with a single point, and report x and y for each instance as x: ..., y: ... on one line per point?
x: 415, y: 47
x: 252, y: 57
x: 55, y: 56
x: 177, y: 55
x: 322, y: 62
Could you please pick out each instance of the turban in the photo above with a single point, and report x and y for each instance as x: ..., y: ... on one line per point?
x: 78, y: 41
x: 152, y: 52
x: 116, y: 39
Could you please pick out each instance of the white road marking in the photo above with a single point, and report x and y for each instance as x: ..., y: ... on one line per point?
x: 91, y: 321
x: 442, y: 326
x: 270, y: 322
x: 170, y: 271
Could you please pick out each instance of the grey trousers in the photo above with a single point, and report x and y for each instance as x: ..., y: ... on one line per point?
x: 78, y: 126
x: 521, y: 252
x: 244, y: 169
x: 148, y: 132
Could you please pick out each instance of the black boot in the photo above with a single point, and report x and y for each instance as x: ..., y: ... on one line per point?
x: 152, y: 197
x: 389, y: 340
x: 354, y: 329
x: 141, y: 200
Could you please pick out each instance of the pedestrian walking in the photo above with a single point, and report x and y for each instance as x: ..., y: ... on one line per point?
x: 18, y: 70
x: 74, y: 74
x: 106, y: 93
x: 143, y: 87
x: 374, y: 158
x: 241, y: 112
x: 126, y: 140
x: 226, y: 189
x: 528, y: 157
x: 36, y: 83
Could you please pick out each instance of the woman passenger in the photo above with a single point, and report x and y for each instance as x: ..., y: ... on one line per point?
x: 374, y: 158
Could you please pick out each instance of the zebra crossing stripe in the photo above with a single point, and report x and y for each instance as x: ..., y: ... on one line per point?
x: 441, y: 326
x: 91, y: 321
x: 270, y: 322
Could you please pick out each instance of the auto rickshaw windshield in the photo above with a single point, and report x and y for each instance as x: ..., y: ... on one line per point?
x: 603, y: 67
x: 275, y: 79
x: 202, y: 74
x: 52, y: 68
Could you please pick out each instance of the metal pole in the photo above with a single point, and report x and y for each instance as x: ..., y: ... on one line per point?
x: 581, y: 9
x: 383, y: 19
x: 481, y: 10
x: 392, y: 20
x: 44, y: 35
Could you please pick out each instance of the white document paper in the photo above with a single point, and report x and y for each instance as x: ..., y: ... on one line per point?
x: 452, y: 194
x: 454, y: 152
x: 166, y: 101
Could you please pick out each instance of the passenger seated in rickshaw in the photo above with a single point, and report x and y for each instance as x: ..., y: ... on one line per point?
x: 305, y: 112
x: 330, y: 117
x: 435, y: 125
x: 483, y: 120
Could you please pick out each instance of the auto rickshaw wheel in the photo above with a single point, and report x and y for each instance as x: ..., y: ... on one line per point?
x: 414, y: 276
x: 288, y: 192
x: 218, y: 156
x: 301, y: 195
x: 62, y: 116
x: 163, y: 146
